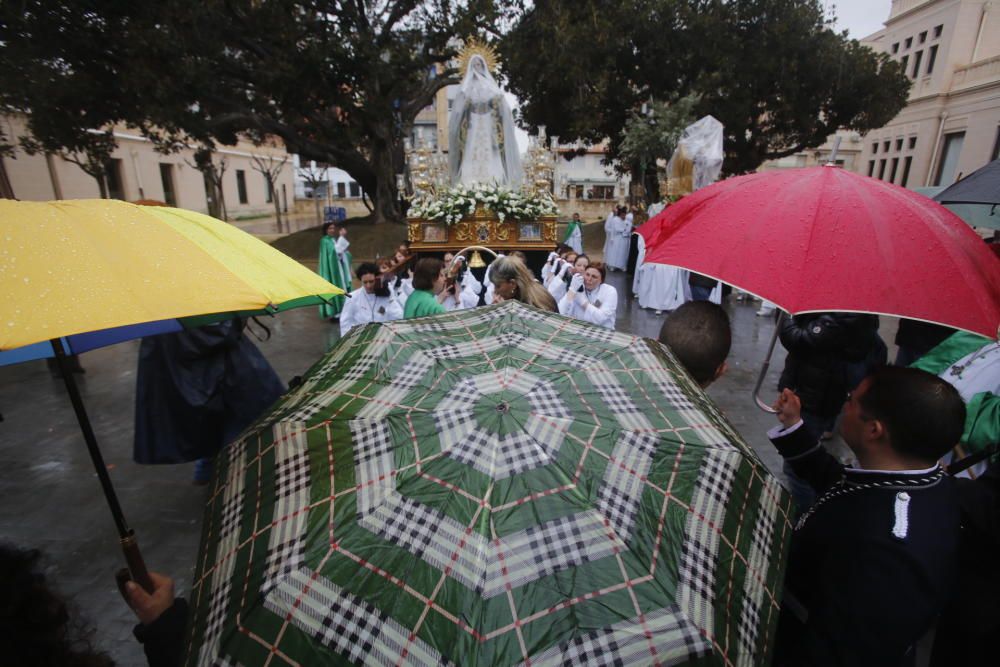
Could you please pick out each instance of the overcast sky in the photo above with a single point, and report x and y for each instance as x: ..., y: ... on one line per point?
x: 860, y: 17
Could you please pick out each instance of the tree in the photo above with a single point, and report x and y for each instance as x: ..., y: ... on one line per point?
x: 338, y: 81
x: 772, y: 71
x: 652, y: 135
x: 314, y: 177
x: 270, y: 167
x: 212, y: 171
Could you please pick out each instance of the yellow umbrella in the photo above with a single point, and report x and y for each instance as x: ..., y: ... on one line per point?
x: 82, y: 274
x: 86, y: 266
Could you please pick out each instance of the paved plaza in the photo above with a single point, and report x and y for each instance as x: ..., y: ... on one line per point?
x: 52, y: 499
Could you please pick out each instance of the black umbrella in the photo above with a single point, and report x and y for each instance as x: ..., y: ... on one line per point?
x: 980, y: 187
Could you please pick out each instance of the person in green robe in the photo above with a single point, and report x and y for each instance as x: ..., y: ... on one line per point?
x: 574, y: 235
x: 428, y: 289
x: 334, y: 266
x: 972, y: 364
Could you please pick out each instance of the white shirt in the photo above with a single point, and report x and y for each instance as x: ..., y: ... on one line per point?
x: 598, y: 306
x: 363, y: 308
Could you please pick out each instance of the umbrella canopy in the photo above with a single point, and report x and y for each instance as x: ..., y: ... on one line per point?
x: 977, y: 215
x: 97, y: 272
x: 491, y: 487
x: 980, y: 187
x: 822, y: 239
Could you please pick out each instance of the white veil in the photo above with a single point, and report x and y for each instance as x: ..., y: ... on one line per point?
x: 478, y: 87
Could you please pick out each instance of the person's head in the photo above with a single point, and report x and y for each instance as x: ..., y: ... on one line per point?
x: 699, y: 335
x: 448, y: 258
x: 368, y: 273
x: 385, y: 264
x: 400, y: 257
x: 342, y: 231
x: 512, y: 280
x: 330, y: 229
x: 35, y: 623
x: 404, y: 248
x: 429, y: 274
x: 521, y: 256
x: 576, y: 217
x: 905, y: 413
x: 570, y: 257
x: 593, y: 276
x: 562, y: 249
x: 581, y: 263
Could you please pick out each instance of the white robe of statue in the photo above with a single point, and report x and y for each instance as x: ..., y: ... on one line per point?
x: 482, y: 146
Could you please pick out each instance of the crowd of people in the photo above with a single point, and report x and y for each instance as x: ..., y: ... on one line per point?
x: 883, y: 550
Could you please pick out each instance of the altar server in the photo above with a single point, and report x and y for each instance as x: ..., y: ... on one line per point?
x: 589, y: 298
x: 369, y: 303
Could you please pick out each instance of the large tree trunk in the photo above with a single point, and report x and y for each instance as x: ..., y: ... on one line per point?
x: 386, y: 196
x: 277, y: 204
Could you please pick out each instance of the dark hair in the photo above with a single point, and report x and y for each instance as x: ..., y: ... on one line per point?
x: 699, y: 335
x: 520, y: 255
x: 426, y: 273
x: 366, y: 267
x: 924, y: 415
x: 561, y: 248
x: 35, y: 623
x: 598, y: 266
x: 327, y: 226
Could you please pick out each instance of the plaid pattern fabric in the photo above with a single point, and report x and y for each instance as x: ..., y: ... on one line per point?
x: 696, y: 576
x: 490, y: 487
x: 754, y: 592
x: 353, y: 628
x: 669, y: 639
x: 291, y: 491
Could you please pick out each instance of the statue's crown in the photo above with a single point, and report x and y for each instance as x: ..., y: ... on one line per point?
x: 476, y: 47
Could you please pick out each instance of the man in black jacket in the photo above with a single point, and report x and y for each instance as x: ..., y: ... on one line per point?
x: 872, y: 561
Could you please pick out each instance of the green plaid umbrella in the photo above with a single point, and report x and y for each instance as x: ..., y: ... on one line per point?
x: 491, y: 487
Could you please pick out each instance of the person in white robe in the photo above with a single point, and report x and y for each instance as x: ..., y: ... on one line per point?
x: 661, y: 287
x: 597, y: 302
x: 572, y: 266
x: 365, y: 305
x: 618, y: 233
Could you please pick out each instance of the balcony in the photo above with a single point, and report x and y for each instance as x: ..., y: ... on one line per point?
x: 976, y: 74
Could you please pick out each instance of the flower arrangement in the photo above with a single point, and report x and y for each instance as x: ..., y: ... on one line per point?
x: 453, y: 204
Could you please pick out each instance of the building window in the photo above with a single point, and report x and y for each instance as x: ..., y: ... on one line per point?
x: 604, y: 192
x: 904, y: 61
x: 167, y: 179
x: 892, y: 170
x: 922, y: 37
x: 907, y: 43
x: 931, y: 58
x: 913, y: 143
x: 354, y: 189
x: 881, y: 169
x: 269, y: 189
x: 950, y: 151
x: 996, y: 146
x: 899, y: 144
x: 871, y: 168
x: 341, y: 190
x: 917, y: 57
x: 874, y: 147
x: 906, y: 170
x: 241, y: 185
x: 113, y: 177
x: 885, y: 146
x: 895, y: 48
x: 937, y: 31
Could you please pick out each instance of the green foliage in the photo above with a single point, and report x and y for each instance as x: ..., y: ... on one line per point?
x: 339, y: 82
x: 772, y: 71
x: 650, y: 136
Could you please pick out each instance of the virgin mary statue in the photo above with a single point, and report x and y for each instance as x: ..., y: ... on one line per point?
x: 481, y: 143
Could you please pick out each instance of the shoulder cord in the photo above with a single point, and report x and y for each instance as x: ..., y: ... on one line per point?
x: 844, y: 487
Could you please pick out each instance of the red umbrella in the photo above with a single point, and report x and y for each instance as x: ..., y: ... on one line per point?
x: 826, y: 239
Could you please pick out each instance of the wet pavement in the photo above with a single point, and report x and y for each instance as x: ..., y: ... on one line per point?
x: 52, y: 500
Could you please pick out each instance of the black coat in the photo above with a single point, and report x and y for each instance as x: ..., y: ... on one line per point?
x: 856, y: 593
x: 825, y: 353
x: 197, y: 390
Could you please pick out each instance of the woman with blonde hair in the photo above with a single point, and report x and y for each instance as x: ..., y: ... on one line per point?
x: 512, y: 280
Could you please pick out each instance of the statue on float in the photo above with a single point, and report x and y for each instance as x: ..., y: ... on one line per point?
x: 481, y: 142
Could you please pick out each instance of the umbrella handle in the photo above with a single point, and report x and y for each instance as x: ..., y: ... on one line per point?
x: 767, y: 363
x: 136, y: 565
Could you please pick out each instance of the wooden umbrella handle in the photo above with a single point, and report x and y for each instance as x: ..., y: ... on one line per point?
x: 136, y: 565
